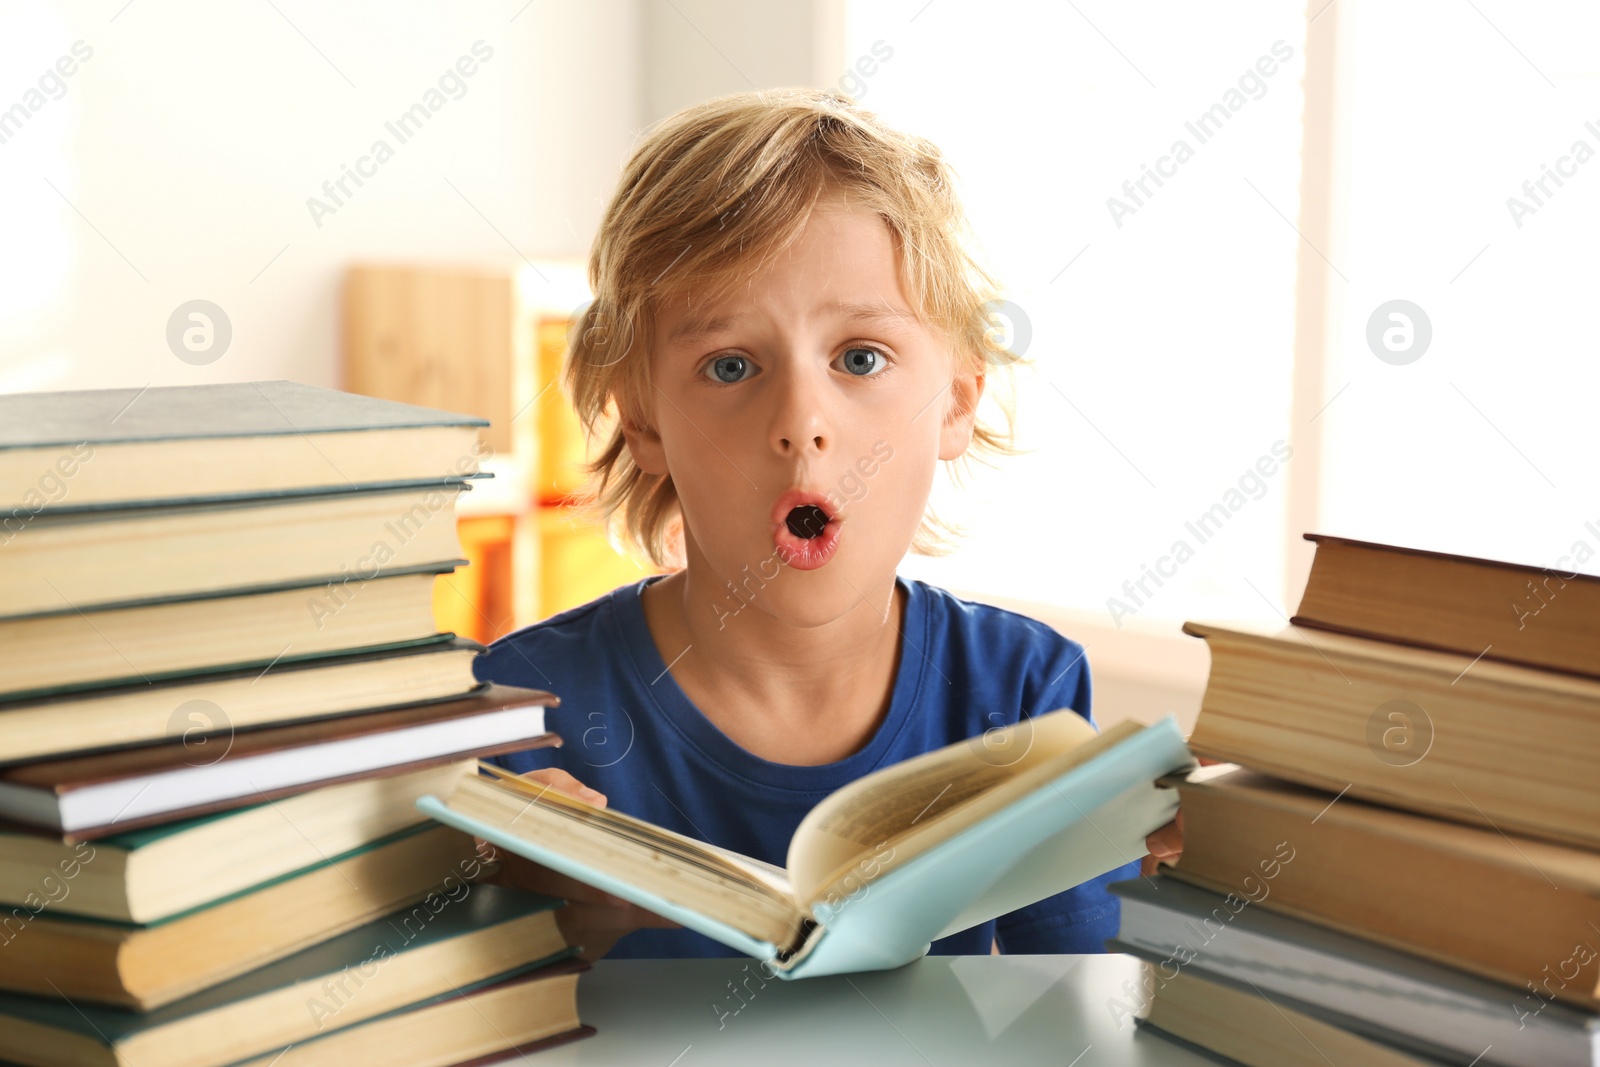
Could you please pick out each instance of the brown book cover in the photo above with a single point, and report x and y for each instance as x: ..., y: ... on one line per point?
x: 1494, y: 744
x: 515, y: 1055
x: 62, y: 776
x: 508, y: 1054
x: 1545, y: 617
x: 1509, y: 908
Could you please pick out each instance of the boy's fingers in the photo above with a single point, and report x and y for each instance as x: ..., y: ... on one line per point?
x: 562, y: 782
x: 586, y: 901
x: 1165, y: 842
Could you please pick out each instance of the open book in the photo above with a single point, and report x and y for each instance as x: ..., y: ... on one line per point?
x: 881, y: 868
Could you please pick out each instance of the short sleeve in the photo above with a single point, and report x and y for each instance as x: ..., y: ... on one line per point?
x: 1063, y: 682
x: 505, y: 664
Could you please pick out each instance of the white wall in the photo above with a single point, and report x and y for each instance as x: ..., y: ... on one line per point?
x: 699, y: 49
x: 176, y: 161
x: 193, y: 136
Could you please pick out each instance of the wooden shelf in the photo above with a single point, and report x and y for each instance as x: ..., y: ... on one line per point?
x: 489, y: 341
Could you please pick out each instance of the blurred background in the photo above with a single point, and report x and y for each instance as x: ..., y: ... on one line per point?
x: 1279, y: 268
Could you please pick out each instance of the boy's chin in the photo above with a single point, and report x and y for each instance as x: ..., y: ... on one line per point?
x: 806, y: 599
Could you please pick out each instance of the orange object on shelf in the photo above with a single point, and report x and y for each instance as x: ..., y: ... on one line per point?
x: 489, y: 340
x: 562, y: 447
x: 475, y: 601
x: 577, y: 562
x: 576, y: 565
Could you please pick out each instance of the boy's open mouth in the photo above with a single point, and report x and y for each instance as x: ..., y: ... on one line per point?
x: 804, y: 533
x: 807, y: 521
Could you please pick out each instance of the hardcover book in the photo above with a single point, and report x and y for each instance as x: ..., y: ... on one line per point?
x: 1537, y: 616
x: 144, y: 876
x: 83, y: 449
x: 883, y: 867
x: 1390, y: 997
x: 446, y: 947
x: 144, y: 966
x: 121, y: 790
x: 434, y: 668
x: 1485, y: 742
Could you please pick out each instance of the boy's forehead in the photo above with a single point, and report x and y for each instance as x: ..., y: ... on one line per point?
x: 685, y: 324
x: 844, y: 264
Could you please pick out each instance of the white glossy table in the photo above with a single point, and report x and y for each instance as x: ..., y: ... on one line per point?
x: 958, y: 1010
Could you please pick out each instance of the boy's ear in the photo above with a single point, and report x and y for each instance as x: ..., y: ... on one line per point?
x: 966, y: 389
x: 644, y: 444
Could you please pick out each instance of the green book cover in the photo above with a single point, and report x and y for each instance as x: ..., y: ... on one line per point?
x: 85, y: 690
x: 133, y: 840
x: 65, y: 918
x: 197, y: 412
x: 434, y: 567
x: 446, y: 642
x: 278, y: 418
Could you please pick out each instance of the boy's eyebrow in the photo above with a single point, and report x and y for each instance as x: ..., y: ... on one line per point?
x: 876, y: 314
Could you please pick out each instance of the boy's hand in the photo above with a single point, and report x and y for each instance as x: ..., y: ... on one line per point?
x: 1165, y: 845
x: 592, y: 919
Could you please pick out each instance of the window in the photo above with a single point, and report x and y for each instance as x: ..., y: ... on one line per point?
x: 1486, y: 444
x: 1464, y: 181
x: 1133, y: 182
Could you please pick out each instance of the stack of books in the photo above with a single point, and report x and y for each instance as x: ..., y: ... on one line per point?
x: 221, y: 697
x: 1400, y: 861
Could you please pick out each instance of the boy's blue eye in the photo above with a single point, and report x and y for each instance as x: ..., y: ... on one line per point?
x: 730, y: 369
x: 862, y: 362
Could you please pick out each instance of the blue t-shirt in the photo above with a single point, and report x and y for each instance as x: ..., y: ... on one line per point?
x: 631, y: 733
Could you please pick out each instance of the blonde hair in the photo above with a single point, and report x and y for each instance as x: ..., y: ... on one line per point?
x: 710, y: 197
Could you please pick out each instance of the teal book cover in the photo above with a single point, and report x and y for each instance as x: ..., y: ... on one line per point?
x: 1090, y: 819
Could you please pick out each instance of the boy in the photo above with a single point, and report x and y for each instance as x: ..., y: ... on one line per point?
x: 787, y: 338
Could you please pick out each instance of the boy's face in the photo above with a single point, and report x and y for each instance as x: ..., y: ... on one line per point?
x: 802, y: 434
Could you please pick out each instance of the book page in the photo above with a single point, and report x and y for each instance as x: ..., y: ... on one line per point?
x: 762, y: 871
x: 894, y: 814
x: 624, y: 855
x: 733, y: 864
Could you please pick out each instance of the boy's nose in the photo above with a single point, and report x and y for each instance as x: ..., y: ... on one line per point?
x: 800, y: 424
x: 799, y: 443
x: 817, y: 441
